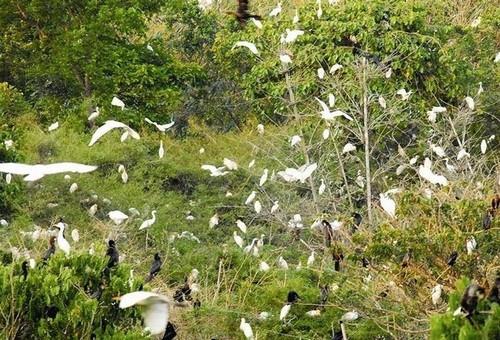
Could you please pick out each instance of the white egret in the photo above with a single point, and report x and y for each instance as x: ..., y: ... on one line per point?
x: 382, y: 102
x: 53, y: 126
x: 161, y: 150
x: 32, y: 263
x: 263, y: 178
x: 202, y: 151
x: 161, y: 127
x: 263, y: 266
x: 73, y: 188
x: 313, y: 313
x: 230, y: 164
x: 328, y: 115
x: 295, y: 19
x: 62, y: 243
x: 348, y: 148
x: 251, y: 246
x: 300, y: 174
x: 335, y: 68
x: 242, y: 226
x: 250, y: 197
x: 147, y: 224
x: 257, y: 23
x: 257, y: 207
x: 438, y: 150
x: 282, y: 263
x: 155, y: 313
x: 260, y: 129
x: 326, y: 134
x: 331, y: 100
x: 284, y: 311
x: 214, y: 171
x: 350, y: 316
x: 93, y: 116
x: 475, y: 22
x: 321, y: 73
x: 8, y: 144
x: 123, y: 173
x: 322, y: 187
x: 295, y: 140
x: 247, y: 44
x: 471, y: 245
x: 404, y: 95
x: 319, y: 12
x: 117, y: 102
x: 93, y: 210
x: 470, y: 102
x: 310, y: 259
x: 246, y: 329
x: 414, y: 160
x: 237, y: 238
x: 275, y: 207
x: 117, y: 216
x: 462, y: 153
x: 110, y: 125
x: 214, y: 220
x: 4, y: 223
x: 264, y: 316
x: 292, y: 35
x: 388, y: 204
x: 35, y: 172
x: 285, y: 58
x: 436, y: 294
x: 251, y: 164
x: 75, y: 235
x: 276, y: 10
x: 8, y: 178
x: 426, y: 173
x: 388, y: 73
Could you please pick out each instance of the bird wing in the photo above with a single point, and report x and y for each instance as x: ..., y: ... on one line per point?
x: 163, y: 127
x: 156, y: 314
x: 56, y: 168
x: 108, y: 126
x: 208, y: 167
x: 308, y: 172
x: 136, y: 298
x: 323, y: 105
x: 16, y: 168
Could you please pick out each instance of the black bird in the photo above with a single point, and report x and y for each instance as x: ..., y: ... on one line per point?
x: 407, y: 258
x: 471, y: 297
x: 327, y: 232
x: 453, y: 258
x: 488, y: 219
x: 114, y: 257
x: 170, y: 332
x: 242, y: 14
x: 323, y: 295
x: 52, y: 249
x: 183, y: 293
x: 493, y: 296
x: 197, y: 304
x: 337, y: 259
x: 357, y: 221
x: 365, y: 262
x: 292, y: 297
x: 337, y: 335
x: 24, y: 268
x: 495, y: 204
x: 155, y: 267
x: 51, y: 311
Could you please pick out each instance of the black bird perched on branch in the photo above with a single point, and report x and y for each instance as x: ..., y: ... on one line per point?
x: 155, y: 267
x: 52, y: 249
x: 471, y: 297
x: 170, y: 332
x: 453, y: 258
x: 242, y: 14
x: 114, y: 257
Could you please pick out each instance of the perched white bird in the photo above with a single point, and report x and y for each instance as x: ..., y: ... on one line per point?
x: 326, y: 134
x: 264, y: 316
x: 93, y: 210
x: 461, y: 154
x: 257, y: 207
x: 214, y: 220
x: 93, y: 116
x: 382, y: 102
x: 313, y: 313
x: 331, y: 100
x: 32, y: 263
x: 388, y: 204
x: 123, y: 173
x: 62, y: 243
x: 263, y: 178
x: 295, y: 140
x: 388, y: 73
x: 148, y: 223
x: 53, y: 126
x: 282, y: 263
x: 8, y: 178
x: 257, y: 23
x: 117, y: 216
x: 214, y: 171
x: 230, y: 164
x: 437, y: 150
x: 497, y: 57
x: 110, y: 125
x: 321, y: 73
x: 322, y: 187
x: 426, y: 173
x: 161, y: 150
x: 35, y: 172
x: 237, y: 238
x: 73, y: 188
x: 404, y: 95
x: 319, y: 12
x: 246, y: 329
x: 8, y: 144
x: 260, y: 129
x: 250, y: 197
x: 284, y: 311
x: 275, y: 207
x: 247, y: 44
x: 300, y: 174
x: 335, y: 68
x: 285, y: 58
x: 242, y: 226
x: 155, y: 312
x: 350, y: 316
x: 310, y: 259
x: 471, y: 245
x: 292, y: 35
x: 470, y: 102
x: 75, y: 235
x: 295, y: 20
x: 328, y: 115
x: 202, y: 151
x: 161, y: 127
x: 414, y: 160
x: 483, y: 146
x: 436, y: 294
x: 348, y: 148
x: 263, y: 266
x: 117, y: 102
x: 276, y: 10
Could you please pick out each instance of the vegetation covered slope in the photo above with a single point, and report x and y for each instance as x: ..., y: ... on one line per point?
x: 234, y: 91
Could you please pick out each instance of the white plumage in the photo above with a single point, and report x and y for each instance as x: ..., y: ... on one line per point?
x: 247, y: 44
x: 276, y: 10
x: 295, y: 140
x: 350, y: 316
x: 161, y: 150
x: 404, y: 95
x: 275, y: 207
x: 328, y: 115
x: 285, y: 58
x: 237, y: 238
x: 470, y: 102
x: 214, y: 220
x: 161, y: 127
x: 117, y: 102
x: 483, y: 146
x: 110, y: 125
x: 35, y: 172
x: 263, y: 266
x: 73, y: 187
x: 230, y: 164
x: 284, y: 311
x: 426, y: 173
x: 246, y: 329
x: 292, y: 35
x: 62, y: 243
x: 117, y: 216
x: 436, y: 294
x: 53, y: 126
x: 155, y: 312
x: 471, y: 245
x: 282, y: 263
x: 242, y: 226
x: 215, y: 171
x: 75, y: 235
x: 257, y: 207
x: 250, y: 197
x: 322, y: 188
x: 382, y: 102
x: 335, y: 68
x: 148, y: 223
x: 300, y: 174
x: 310, y: 259
x: 321, y: 73
x: 348, y: 148
x: 326, y: 133
x: 388, y: 204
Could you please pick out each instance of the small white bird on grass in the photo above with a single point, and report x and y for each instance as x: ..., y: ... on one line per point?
x: 335, y: 68
x: 93, y: 210
x: 53, y: 126
x: 438, y: 150
x: 292, y: 35
x: 275, y: 207
x: 276, y: 10
x: 284, y: 311
x: 9, y: 143
x: 93, y: 116
x: 436, y: 294
x: 257, y: 207
x: 257, y: 23
x: 155, y: 312
x: 263, y: 178
x: 62, y: 243
x: 230, y: 164
x: 117, y: 216
x: 322, y: 187
x: 117, y: 102
x: 471, y: 245
x: 237, y: 238
x: 470, y: 103
x: 282, y: 263
x: 404, y: 95
x: 260, y: 129
x: 75, y: 235
x: 382, y: 102
x: 296, y: 139
x: 247, y: 44
x: 246, y: 329
x: 161, y: 127
x: 123, y: 173
x: 214, y: 220
x: 313, y: 313
x: 348, y: 148
x: 250, y: 197
x: 242, y: 226
x: 321, y: 73
x: 285, y: 58
x: 161, y: 150
x: 73, y: 188
x: 310, y: 259
x: 326, y: 134
x: 110, y: 125
x: 350, y: 316
x: 263, y: 266
x: 483, y: 146
x: 462, y: 153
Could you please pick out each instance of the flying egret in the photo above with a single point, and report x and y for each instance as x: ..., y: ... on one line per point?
x: 62, y: 243
x: 388, y: 204
x: 161, y: 127
x: 93, y: 116
x: 35, y: 172
x: 404, y: 95
x: 117, y: 102
x: 276, y: 10
x: 247, y: 44
x: 242, y: 226
x: 300, y: 174
x: 263, y: 178
x: 321, y: 73
x: 161, y: 150
x: 328, y: 115
x: 237, y: 238
x: 250, y: 197
x: 53, y: 126
x: 292, y: 35
x: 335, y: 68
x: 214, y: 220
x: 230, y: 164
x: 117, y: 216
x: 285, y: 58
x: 246, y: 329
x: 155, y: 311
x: 295, y: 140
x: 263, y: 266
x: 322, y: 187
x: 110, y: 125
x: 75, y: 235
x: 348, y: 148
x: 214, y: 171
x: 436, y: 294
x: 326, y: 134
